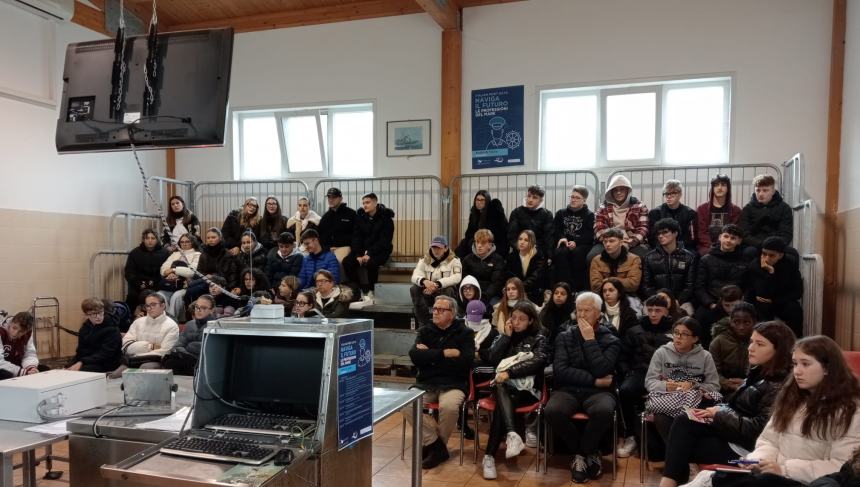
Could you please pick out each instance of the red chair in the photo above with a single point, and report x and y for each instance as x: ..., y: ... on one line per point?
x: 853, y: 359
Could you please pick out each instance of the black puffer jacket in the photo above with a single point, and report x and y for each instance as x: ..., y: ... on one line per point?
x: 534, y: 278
x: 435, y: 371
x: 687, y: 219
x: 143, y: 267
x: 533, y: 341
x: 232, y: 230
x: 257, y: 258
x: 578, y: 362
x: 717, y: 269
x: 374, y: 234
x: 538, y: 220
x: 99, y: 346
x: 675, y: 271
x: 489, y: 271
x: 749, y: 409
x: 216, y: 260
x: 640, y: 342
x: 336, y: 227
x: 492, y: 218
x: 760, y: 221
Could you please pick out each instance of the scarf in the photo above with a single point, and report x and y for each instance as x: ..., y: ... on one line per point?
x: 526, y: 259
x: 614, y: 263
x: 434, y: 262
x: 482, y: 331
x: 614, y: 313
x: 302, y: 223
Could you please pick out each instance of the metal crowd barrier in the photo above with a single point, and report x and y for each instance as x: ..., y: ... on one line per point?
x: 420, y: 210
x: 107, y: 278
x: 128, y: 236
x: 163, y: 188
x: 812, y: 270
x: 213, y: 200
x: 793, y: 190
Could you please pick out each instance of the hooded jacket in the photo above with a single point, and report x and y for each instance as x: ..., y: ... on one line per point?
x: 462, y: 302
x: 539, y: 220
x: 435, y: 371
x: 99, y: 346
x: 635, y: 220
x: 489, y: 272
x: 338, y: 303
x: 784, y: 285
x: 748, y: 409
x: 628, y: 270
x: 374, y: 234
x: 143, y: 267
x: 709, y: 226
x: 669, y: 364
x: 492, y: 217
x: 574, y: 225
x: 760, y: 221
x: 579, y: 362
x: 640, y: 342
x: 448, y: 272
x: 336, y: 226
x: 17, y: 354
x: 534, y: 277
x: 675, y: 271
x: 257, y: 257
x: 687, y: 219
x: 718, y: 269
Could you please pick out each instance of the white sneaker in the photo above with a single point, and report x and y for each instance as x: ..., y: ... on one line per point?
x: 513, y: 445
x: 489, y: 467
x: 626, y: 447
x: 531, y: 438
x: 366, y: 300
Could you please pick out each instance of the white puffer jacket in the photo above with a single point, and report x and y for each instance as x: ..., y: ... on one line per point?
x: 162, y: 332
x: 190, y: 257
x: 448, y: 273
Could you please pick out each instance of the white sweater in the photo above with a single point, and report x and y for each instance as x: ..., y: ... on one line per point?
x: 161, y: 332
x: 190, y: 257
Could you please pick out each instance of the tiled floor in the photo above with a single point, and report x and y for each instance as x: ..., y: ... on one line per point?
x: 390, y: 471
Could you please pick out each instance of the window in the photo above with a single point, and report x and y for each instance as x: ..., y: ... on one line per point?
x: 316, y: 141
x: 669, y: 122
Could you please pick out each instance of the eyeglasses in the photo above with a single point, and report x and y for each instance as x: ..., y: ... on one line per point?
x: 672, y: 193
x: 439, y: 310
x: 576, y: 197
x: 681, y: 334
x: 202, y: 308
x: 95, y: 313
x: 302, y: 303
x: 152, y: 305
x: 320, y: 281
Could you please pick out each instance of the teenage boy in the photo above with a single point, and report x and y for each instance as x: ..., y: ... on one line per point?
x: 336, y: 225
x: 730, y: 296
x: 623, y: 211
x: 99, y: 341
x: 371, y: 245
x: 669, y: 265
x: 715, y: 213
x: 487, y: 266
x: 18, y: 349
x: 616, y: 261
x: 722, y: 265
x: 673, y: 192
x: 438, y: 272
x: 532, y: 216
x: 573, y: 234
x: 775, y: 285
x: 765, y: 215
x: 285, y: 260
x: 316, y: 259
x: 730, y: 347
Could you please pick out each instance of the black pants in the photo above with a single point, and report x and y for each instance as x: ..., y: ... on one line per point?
x: 694, y: 442
x: 631, y: 390
x: 598, y: 406
x: 182, y: 363
x: 569, y: 266
x: 421, y: 302
x: 788, y: 311
x: 507, y: 400
x: 365, y: 276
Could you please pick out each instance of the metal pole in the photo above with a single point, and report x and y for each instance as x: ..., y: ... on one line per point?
x: 417, y: 407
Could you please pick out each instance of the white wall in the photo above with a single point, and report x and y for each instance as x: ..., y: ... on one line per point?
x: 35, y: 177
x: 849, y: 177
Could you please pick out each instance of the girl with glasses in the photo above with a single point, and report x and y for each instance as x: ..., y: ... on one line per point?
x: 304, y: 306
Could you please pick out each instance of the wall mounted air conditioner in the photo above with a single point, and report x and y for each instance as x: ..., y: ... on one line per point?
x: 59, y: 10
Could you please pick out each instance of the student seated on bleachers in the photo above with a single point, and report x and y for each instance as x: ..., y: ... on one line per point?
x: 304, y: 306
x: 584, y: 363
x: 317, y: 258
x: 616, y: 261
x: 637, y: 347
x: 531, y: 215
x: 724, y: 264
x: 729, y: 346
x: 187, y: 254
x: 519, y: 355
x: 253, y: 280
x: 487, y: 212
x: 766, y: 215
x: 372, y: 244
x: 183, y: 357
x: 18, y: 347
x: 304, y: 218
x: 487, y: 266
x: 285, y: 260
x: 214, y: 260
x: 336, y: 225
x: 675, y: 311
x: 151, y: 337
x: 528, y: 263
x: 669, y: 265
x: 715, y: 213
x: 443, y: 354
x: 469, y: 290
x: 742, y: 419
x: 438, y: 272
x: 573, y: 237
x: 730, y: 296
x: 225, y: 306
x: 180, y: 221
x: 332, y: 300
x: 618, y: 306
x: 623, y: 211
x: 143, y: 267
x: 251, y: 254
x: 286, y: 293
x: 485, y: 332
x: 99, y: 341
x: 681, y: 365
x: 513, y: 293
x: 272, y: 223
x: 238, y: 222
x: 557, y: 312
x: 775, y: 285
x: 685, y: 216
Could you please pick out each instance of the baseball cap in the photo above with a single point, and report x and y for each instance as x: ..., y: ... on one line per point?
x: 439, y: 241
x: 475, y: 311
x: 333, y: 193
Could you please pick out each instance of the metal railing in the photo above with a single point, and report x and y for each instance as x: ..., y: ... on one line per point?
x: 128, y: 235
x: 418, y: 202
x: 812, y: 271
x: 648, y: 182
x: 793, y: 191
x: 107, y: 277
x: 163, y: 188
x: 804, y: 237
x: 213, y: 200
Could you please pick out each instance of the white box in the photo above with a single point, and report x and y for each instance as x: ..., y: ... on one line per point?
x: 268, y: 311
x: 75, y: 391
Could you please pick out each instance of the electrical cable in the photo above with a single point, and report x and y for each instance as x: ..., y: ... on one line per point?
x: 203, y: 367
x: 96, y: 422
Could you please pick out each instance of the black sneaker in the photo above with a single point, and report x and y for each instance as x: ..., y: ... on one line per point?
x: 437, y: 452
x: 577, y: 470
x: 593, y: 466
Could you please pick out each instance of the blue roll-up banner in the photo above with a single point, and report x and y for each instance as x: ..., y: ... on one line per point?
x: 497, y: 127
x: 354, y: 388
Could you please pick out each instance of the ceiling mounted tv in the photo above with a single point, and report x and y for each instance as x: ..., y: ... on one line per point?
x: 186, y: 106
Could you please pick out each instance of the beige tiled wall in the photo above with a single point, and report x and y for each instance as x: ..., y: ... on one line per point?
x: 848, y: 280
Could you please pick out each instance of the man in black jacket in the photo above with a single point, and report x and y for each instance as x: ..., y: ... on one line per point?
x: 371, y: 246
x: 336, y: 225
x: 583, y: 368
x: 99, y: 341
x: 443, y: 354
x: 669, y: 265
x: 686, y: 217
x: 766, y: 215
x: 724, y: 264
x: 775, y: 286
x: 532, y: 216
x: 573, y: 236
x: 487, y: 266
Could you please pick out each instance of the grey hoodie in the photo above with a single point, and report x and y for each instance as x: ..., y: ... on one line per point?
x: 668, y: 364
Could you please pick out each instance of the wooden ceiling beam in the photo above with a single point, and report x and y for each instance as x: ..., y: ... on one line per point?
x: 446, y: 13
x: 309, y: 16
x: 91, y: 18
x: 480, y: 3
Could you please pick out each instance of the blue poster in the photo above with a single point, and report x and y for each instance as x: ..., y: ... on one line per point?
x: 354, y: 388
x: 497, y: 127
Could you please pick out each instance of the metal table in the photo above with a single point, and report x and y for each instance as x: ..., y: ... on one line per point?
x: 389, y: 401
x: 13, y: 439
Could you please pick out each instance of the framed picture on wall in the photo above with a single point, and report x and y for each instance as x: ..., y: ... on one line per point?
x: 408, y: 138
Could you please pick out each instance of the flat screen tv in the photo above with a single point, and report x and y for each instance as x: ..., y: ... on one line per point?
x: 190, y: 89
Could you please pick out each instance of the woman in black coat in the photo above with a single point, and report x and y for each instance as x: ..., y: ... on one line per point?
x: 486, y: 213
x: 533, y: 274
x: 143, y: 267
